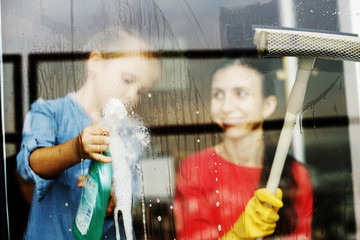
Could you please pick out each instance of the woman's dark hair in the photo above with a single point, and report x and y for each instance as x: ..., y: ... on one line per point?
x: 288, y: 217
x: 263, y: 66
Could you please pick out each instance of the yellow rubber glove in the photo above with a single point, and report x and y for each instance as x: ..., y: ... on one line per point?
x: 259, y: 219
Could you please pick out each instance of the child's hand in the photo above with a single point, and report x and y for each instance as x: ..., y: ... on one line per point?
x: 112, y: 201
x: 94, y: 140
x: 81, y: 181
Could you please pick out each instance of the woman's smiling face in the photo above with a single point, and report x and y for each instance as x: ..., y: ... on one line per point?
x: 237, y: 102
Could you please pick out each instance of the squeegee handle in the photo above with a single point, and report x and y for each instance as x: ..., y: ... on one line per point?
x: 294, y: 106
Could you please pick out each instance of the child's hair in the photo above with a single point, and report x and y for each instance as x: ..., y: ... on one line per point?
x: 118, y: 42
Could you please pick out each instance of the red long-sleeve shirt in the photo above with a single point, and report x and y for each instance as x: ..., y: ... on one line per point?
x: 212, y: 193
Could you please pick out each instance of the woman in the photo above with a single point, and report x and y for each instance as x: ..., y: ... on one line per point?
x: 220, y: 190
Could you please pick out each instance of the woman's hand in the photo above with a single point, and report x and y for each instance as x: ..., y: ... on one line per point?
x: 93, y: 141
x: 259, y: 218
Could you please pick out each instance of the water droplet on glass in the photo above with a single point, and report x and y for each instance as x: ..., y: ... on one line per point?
x: 171, y: 207
x: 50, y: 216
x: 219, y: 227
x: 197, y: 112
x: 70, y: 229
x: 159, y: 218
x: 66, y: 204
x: 149, y: 95
x: 217, y: 204
x: 198, y: 140
x: 158, y: 200
x: 150, y: 205
x: 311, y: 11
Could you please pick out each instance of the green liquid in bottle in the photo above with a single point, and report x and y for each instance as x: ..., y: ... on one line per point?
x: 89, y: 219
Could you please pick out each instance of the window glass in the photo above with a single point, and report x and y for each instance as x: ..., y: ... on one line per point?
x: 187, y: 182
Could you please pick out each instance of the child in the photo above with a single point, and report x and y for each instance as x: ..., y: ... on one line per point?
x: 59, y: 134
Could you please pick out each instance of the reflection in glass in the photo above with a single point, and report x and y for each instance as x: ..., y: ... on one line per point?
x: 49, y: 37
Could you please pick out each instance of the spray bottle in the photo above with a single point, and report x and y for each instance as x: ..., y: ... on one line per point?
x: 89, y: 219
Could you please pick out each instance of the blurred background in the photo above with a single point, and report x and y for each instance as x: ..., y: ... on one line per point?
x: 43, y: 56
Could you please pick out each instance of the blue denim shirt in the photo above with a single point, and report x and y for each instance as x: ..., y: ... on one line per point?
x: 55, y: 201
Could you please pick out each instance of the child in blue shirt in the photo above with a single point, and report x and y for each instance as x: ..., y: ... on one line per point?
x: 59, y: 134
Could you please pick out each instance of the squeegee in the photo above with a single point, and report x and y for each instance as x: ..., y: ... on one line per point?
x: 307, y: 45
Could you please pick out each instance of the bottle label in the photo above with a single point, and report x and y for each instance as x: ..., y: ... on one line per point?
x: 87, y: 205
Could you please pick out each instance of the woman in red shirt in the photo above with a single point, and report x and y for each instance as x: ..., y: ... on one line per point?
x: 220, y: 190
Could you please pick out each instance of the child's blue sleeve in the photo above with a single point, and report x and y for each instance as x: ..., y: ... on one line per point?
x: 39, y: 131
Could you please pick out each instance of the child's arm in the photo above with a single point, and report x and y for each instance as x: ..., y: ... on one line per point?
x: 49, y: 162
